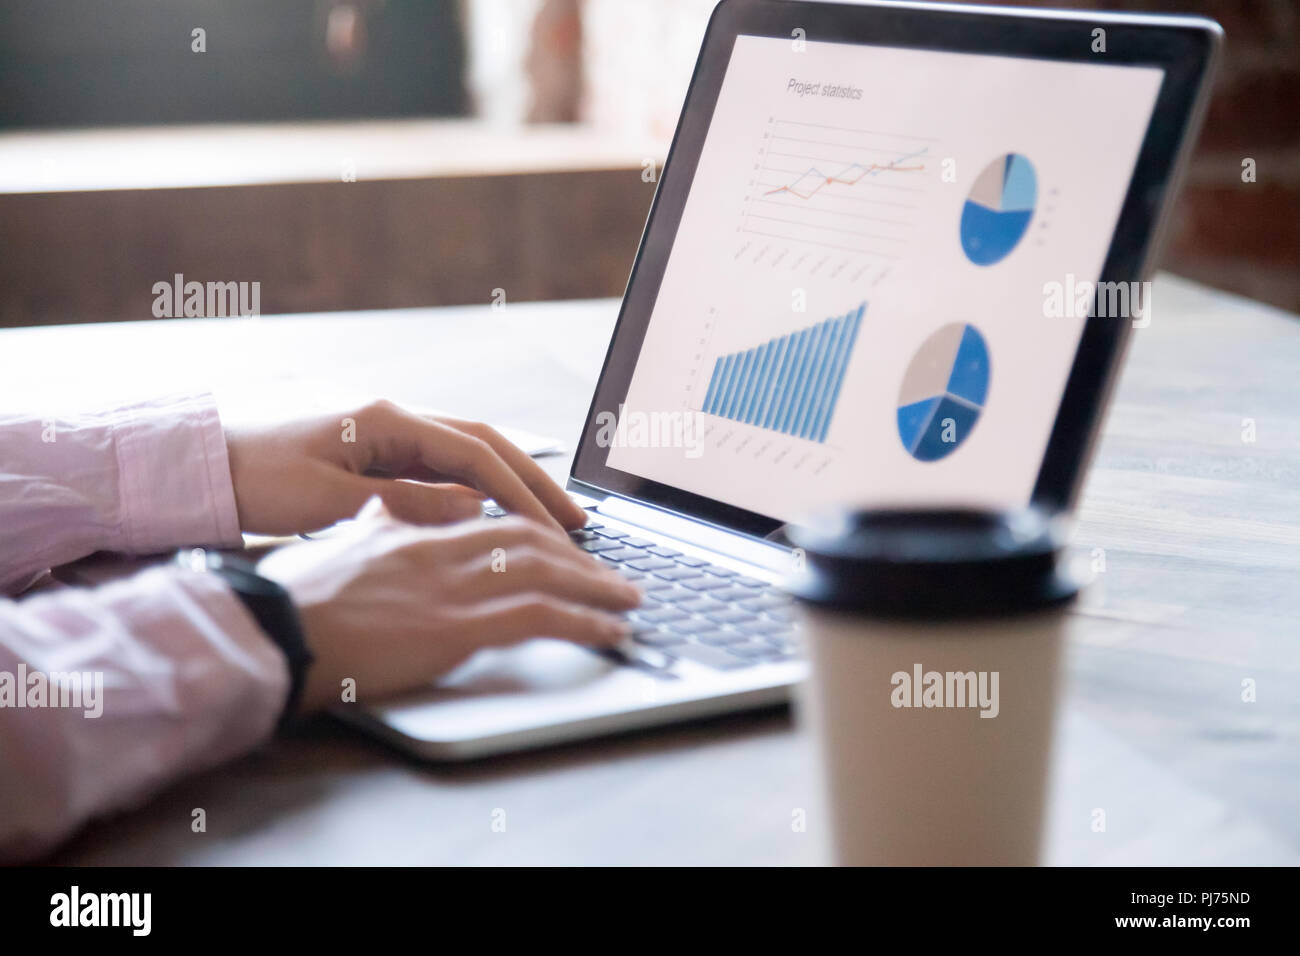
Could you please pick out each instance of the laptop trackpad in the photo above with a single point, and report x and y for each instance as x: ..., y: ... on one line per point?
x: 540, y: 683
x: 537, y: 665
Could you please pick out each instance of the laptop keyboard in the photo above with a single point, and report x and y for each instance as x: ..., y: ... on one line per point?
x: 692, y: 610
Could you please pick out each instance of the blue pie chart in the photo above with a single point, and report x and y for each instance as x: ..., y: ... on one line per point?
x: 943, y: 392
x: 998, y: 209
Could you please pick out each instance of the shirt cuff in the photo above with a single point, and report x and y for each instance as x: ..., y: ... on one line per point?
x: 174, y: 477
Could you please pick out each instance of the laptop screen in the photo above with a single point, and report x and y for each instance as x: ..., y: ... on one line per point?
x: 881, y: 275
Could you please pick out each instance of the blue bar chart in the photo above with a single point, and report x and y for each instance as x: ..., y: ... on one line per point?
x: 788, y: 384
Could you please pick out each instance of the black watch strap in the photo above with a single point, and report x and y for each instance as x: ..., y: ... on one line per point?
x: 272, y: 608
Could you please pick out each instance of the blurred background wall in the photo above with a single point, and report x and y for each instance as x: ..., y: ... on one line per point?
x: 118, y: 62
x: 379, y: 153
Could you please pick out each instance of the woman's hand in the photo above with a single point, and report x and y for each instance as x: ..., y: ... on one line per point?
x: 393, y: 606
x: 309, y: 474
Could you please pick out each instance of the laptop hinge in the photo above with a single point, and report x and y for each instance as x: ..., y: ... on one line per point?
x: 729, y: 543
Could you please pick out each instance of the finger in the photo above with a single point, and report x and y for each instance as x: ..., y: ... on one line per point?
x: 343, y: 494
x: 530, y: 571
x: 450, y: 452
x: 479, y: 539
x: 509, y: 620
x: 556, y: 500
x: 419, y: 503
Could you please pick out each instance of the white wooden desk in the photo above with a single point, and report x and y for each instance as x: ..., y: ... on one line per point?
x: 1201, y: 532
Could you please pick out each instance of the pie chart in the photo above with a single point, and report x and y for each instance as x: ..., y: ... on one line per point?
x: 943, y: 392
x: 998, y: 209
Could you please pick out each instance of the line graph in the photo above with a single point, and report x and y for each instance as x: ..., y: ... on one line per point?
x: 822, y: 180
x: 852, y: 194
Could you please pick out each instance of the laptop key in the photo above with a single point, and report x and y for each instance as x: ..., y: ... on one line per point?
x: 649, y: 584
x: 721, y: 638
x: 692, y: 627
x: 687, y: 561
x: 677, y: 574
x: 673, y: 595
x: 702, y: 583
x: 751, y: 582
x: 658, y: 615
x: 763, y: 602
x: 764, y: 628
x: 731, y: 616
x: 719, y: 572
x: 714, y: 657
x: 599, y: 544
x: 642, y: 563
x: 733, y: 595
x: 702, y: 605
x: 611, y: 533
x: 622, y: 554
x: 661, y: 552
x: 637, y: 542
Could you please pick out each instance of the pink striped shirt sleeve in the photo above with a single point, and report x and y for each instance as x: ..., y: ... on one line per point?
x: 186, y: 678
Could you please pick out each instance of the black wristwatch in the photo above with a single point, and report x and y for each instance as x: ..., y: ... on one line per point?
x: 272, y: 608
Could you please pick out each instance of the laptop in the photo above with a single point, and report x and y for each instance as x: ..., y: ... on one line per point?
x: 894, y: 256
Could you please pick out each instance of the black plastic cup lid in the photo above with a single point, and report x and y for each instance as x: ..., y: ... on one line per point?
x: 933, y: 565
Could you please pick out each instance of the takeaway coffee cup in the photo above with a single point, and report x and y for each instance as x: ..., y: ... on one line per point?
x: 935, y: 640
